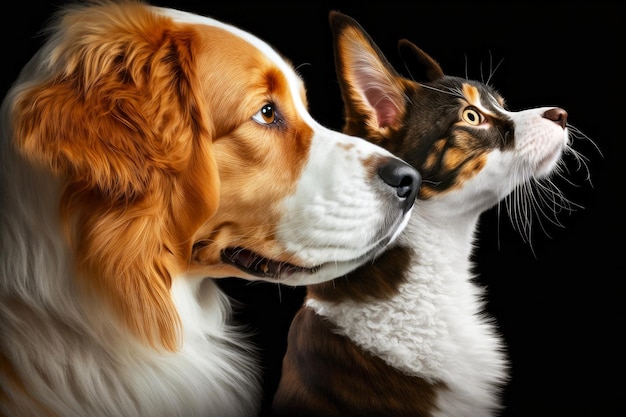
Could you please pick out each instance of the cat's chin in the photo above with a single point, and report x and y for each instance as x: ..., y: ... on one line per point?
x: 548, y: 163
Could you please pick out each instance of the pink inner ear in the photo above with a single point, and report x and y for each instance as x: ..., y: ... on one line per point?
x: 378, y: 86
x: 386, y: 110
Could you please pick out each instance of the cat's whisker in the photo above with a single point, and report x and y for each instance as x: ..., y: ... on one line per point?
x: 517, y: 213
x: 537, y: 199
x: 581, y: 162
x: 547, y: 197
x: 576, y: 133
x: 563, y: 171
x: 492, y: 70
x: 431, y: 182
x: 454, y: 92
x: 533, y: 210
x: 482, y: 76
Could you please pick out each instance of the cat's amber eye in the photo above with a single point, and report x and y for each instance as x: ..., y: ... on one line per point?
x: 472, y: 116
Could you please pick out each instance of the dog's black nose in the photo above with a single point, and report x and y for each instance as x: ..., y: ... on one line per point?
x: 404, y: 178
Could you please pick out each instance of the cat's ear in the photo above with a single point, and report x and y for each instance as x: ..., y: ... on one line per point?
x: 421, y: 66
x: 374, y: 94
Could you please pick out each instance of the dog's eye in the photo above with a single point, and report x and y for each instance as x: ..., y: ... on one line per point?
x: 266, y: 115
x: 472, y: 116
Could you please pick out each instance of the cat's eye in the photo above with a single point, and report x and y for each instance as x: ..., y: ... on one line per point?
x: 266, y: 115
x: 472, y: 116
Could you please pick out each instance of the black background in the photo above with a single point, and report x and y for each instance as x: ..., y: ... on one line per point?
x: 558, y: 301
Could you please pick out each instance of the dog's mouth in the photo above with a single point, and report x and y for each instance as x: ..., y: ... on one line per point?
x: 254, y: 264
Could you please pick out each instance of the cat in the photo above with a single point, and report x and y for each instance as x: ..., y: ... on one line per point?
x: 408, y: 334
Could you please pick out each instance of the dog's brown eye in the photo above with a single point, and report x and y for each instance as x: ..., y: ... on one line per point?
x: 266, y: 115
x: 472, y: 116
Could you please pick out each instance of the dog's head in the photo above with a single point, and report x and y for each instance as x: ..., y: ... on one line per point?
x: 183, y: 148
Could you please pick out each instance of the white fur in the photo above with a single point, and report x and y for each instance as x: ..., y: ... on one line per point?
x: 434, y: 328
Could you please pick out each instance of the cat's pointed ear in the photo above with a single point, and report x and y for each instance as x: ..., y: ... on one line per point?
x: 374, y: 94
x: 421, y: 66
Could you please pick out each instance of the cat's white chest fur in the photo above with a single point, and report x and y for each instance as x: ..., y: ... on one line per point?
x: 434, y: 327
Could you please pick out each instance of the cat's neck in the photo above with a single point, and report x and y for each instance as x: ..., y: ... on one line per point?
x: 438, y: 235
x: 416, y: 329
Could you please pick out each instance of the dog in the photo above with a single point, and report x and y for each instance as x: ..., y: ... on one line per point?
x: 407, y: 334
x: 146, y: 152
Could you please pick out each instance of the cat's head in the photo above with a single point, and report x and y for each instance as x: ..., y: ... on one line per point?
x: 471, y: 150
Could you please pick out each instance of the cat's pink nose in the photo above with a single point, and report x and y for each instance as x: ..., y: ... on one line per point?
x: 557, y: 115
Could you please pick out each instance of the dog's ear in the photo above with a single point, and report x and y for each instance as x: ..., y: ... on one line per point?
x: 116, y: 112
x: 374, y: 94
x: 421, y: 66
x: 110, y: 107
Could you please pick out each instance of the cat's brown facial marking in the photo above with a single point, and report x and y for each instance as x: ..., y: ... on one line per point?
x: 471, y: 94
x: 451, y: 139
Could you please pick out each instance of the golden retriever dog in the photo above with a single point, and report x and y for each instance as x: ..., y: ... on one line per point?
x: 144, y: 152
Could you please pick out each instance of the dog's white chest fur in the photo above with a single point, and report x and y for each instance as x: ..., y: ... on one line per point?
x: 434, y: 328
